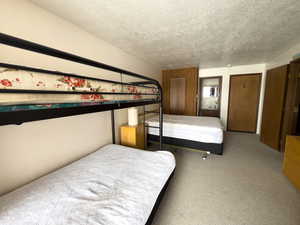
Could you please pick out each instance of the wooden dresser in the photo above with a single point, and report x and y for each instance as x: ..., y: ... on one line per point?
x: 291, y: 164
x: 133, y: 136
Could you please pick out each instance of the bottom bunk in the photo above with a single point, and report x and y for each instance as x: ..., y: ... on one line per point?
x: 198, y: 132
x: 114, y: 185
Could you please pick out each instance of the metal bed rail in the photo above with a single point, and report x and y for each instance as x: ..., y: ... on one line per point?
x: 19, y: 117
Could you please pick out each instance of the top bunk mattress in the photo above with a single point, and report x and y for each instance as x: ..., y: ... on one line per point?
x: 194, y: 128
x: 115, y: 185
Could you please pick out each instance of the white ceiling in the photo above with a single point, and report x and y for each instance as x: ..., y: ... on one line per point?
x: 181, y: 33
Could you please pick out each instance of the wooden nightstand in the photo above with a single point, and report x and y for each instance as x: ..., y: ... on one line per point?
x: 133, y: 136
x: 291, y: 164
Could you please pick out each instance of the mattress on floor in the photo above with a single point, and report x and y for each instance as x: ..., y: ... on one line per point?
x: 113, y: 186
x: 194, y: 128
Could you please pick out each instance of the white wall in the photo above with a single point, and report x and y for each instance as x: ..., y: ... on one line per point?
x: 36, y: 148
x: 225, y: 72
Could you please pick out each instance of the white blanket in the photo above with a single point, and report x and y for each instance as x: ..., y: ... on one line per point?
x: 195, y: 128
x: 115, y: 185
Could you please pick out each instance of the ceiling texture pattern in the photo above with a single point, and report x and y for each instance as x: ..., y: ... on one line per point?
x: 183, y: 33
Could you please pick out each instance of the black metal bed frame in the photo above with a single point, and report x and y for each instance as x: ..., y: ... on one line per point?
x: 213, y: 148
x: 19, y: 117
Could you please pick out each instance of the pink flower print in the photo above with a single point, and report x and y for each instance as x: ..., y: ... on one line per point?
x: 6, y: 83
x: 92, y: 97
x: 73, y: 82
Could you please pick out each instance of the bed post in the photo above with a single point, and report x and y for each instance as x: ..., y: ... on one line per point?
x: 160, y: 126
x: 160, y: 117
x: 113, y: 126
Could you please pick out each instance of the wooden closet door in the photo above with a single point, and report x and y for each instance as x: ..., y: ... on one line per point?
x: 177, y: 95
x: 180, y: 91
x: 292, y: 103
x: 276, y: 82
x: 243, y: 102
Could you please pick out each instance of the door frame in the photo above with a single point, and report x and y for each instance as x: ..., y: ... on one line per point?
x: 257, y: 107
x: 200, y: 93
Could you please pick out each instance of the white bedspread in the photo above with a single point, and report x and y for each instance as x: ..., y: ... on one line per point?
x: 114, y: 186
x: 195, y: 128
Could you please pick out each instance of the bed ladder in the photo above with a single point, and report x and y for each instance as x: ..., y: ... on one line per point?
x: 160, y: 113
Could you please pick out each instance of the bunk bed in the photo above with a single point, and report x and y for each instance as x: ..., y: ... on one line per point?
x: 30, y: 94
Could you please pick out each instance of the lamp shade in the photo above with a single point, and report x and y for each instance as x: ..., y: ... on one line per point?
x: 133, y: 116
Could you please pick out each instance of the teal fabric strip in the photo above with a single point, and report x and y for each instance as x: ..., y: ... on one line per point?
x: 12, y: 108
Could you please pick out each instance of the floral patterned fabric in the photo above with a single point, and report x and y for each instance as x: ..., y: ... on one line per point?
x: 15, y: 79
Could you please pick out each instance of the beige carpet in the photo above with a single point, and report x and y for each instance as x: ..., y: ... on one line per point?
x: 245, y: 186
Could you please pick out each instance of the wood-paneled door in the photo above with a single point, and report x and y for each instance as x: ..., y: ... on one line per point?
x: 291, y: 117
x: 180, y: 91
x: 273, y: 110
x: 244, y: 92
x: 177, y: 101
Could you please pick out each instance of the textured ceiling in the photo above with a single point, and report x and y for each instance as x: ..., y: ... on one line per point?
x: 181, y: 33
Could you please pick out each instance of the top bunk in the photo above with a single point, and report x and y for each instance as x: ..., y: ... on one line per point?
x: 30, y: 94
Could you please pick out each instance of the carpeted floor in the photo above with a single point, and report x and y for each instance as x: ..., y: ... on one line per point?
x: 245, y: 186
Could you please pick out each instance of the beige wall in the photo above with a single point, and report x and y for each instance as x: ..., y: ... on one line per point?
x: 36, y: 148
